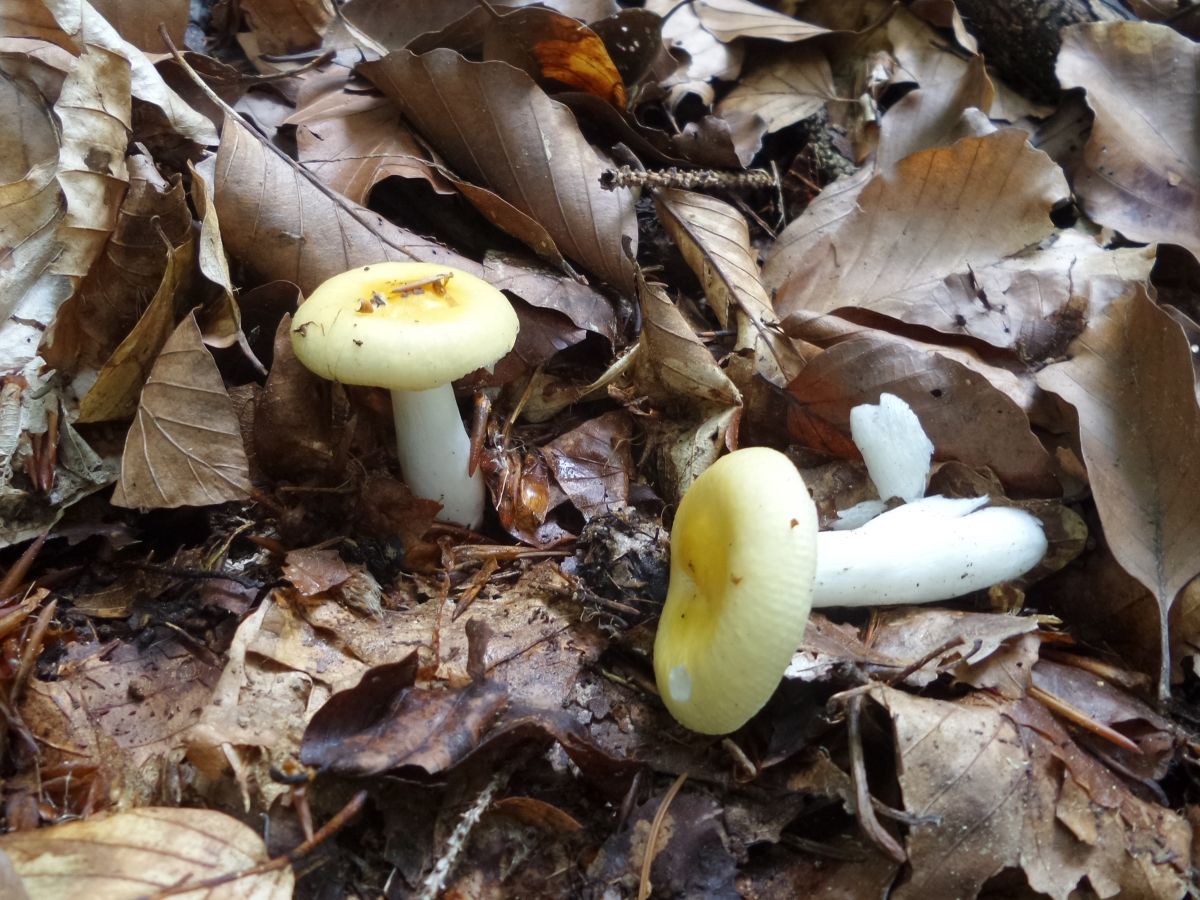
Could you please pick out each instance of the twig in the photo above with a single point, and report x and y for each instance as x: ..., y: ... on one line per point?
x: 334, y: 825
x: 17, y: 572
x: 435, y: 881
x: 29, y: 654
x: 1074, y: 714
x: 660, y: 816
x: 198, y: 574
x: 865, y: 809
x: 703, y: 179
x: 932, y: 655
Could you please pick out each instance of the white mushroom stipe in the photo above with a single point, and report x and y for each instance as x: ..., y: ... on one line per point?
x: 679, y: 683
x: 894, y: 446
x: 423, y: 417
x: 857, y: 515
x: 933, y: 549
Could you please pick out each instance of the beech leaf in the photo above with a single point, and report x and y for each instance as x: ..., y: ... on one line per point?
x: 1141, y: 166
x: 141, y: 852
x: 1131, y: 381
x: 499, y: 130
x: 937, y: 215
x: 185, y: 446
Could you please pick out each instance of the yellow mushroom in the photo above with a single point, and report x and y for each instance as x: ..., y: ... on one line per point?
x: 412, y: 328
x: 743, y: 556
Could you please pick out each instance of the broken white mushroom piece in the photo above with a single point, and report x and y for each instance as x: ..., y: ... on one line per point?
x: 933, y: 549
x: 412, y: 328
x: 894, y: 446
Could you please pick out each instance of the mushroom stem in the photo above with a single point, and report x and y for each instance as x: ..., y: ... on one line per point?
x: 933, y: 549
x: 435, y: 451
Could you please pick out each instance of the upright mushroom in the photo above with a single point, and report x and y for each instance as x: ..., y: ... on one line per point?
x: 412, y: 328
x: 742, y: 560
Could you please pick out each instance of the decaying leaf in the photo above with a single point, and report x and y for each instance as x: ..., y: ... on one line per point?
x: 1141, y: 166
x: 535, y: 157
x: 129, y: 854
x: 592, y: 463
x: 185, y: 446
x: 1014, y: 790
x: 1131, y: 381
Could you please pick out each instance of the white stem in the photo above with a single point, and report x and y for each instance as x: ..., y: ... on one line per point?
x: 933, y: 549
x: 434, y: 452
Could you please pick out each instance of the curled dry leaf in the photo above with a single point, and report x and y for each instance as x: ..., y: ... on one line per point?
x: 94, y: 110
x: 114, y: 395
x: 552, y: 47
x: 86, y: 27
x: 153, y: 219
x: 31, y: 205
x: 499, y: 130
x: 931, y: 116
x: 1141, y: 167
x: 1131, y: 381
x: 715, y: 241
x: 779, y: 88
x: 674, y: 369
x: 729, y: 20
x: 130, y: 854
x: 937, y: 216
x: 965, y: 416
x: 185, y: 446
x: 282, y: 227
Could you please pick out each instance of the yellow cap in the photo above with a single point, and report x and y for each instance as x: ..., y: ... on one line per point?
x: 743, y: 557
x: 406, y: 326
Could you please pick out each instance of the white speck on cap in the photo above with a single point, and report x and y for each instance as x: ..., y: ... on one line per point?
x: 679, y: 683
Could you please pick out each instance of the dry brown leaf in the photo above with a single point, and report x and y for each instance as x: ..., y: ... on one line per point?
x: 1131, y: 381
x: 287, y: 26
x: 937, y: 216
x: 1141, y: 167
x: 999, y: 794
x: 352, y: 141
x: 715, y: 240
x: 675, y: 370
x: 729, y: 20
x: 966, y: 417
x: 31, y: 205
x: 593, y: 463
x: 931, y: 116
x: 552, y: 47
x: 282, y: 227
x: 139, y: 23
x: 124, y: 713
x: 779, y: 87
x: 80, y: 26
x: 185, y: 445
x: 94, y: 113
x: 499, y: 130
x: 153, y: 218
x: 131, y: 854
x: 114, y: 395
x: 586, y: 307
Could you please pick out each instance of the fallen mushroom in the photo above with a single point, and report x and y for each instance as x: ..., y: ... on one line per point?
x: 742, y: 562
x: 934, y: 549
x: 412, y: 328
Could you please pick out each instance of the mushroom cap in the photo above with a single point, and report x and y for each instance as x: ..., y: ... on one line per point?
x: 397, y: 325
x: 743, y: 557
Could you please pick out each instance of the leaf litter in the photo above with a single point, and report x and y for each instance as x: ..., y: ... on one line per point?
x: 219, y: 600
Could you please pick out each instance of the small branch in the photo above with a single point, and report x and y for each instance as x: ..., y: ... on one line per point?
x: 435, y: 881
x: 864, y: 807
x: 685, y: 179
